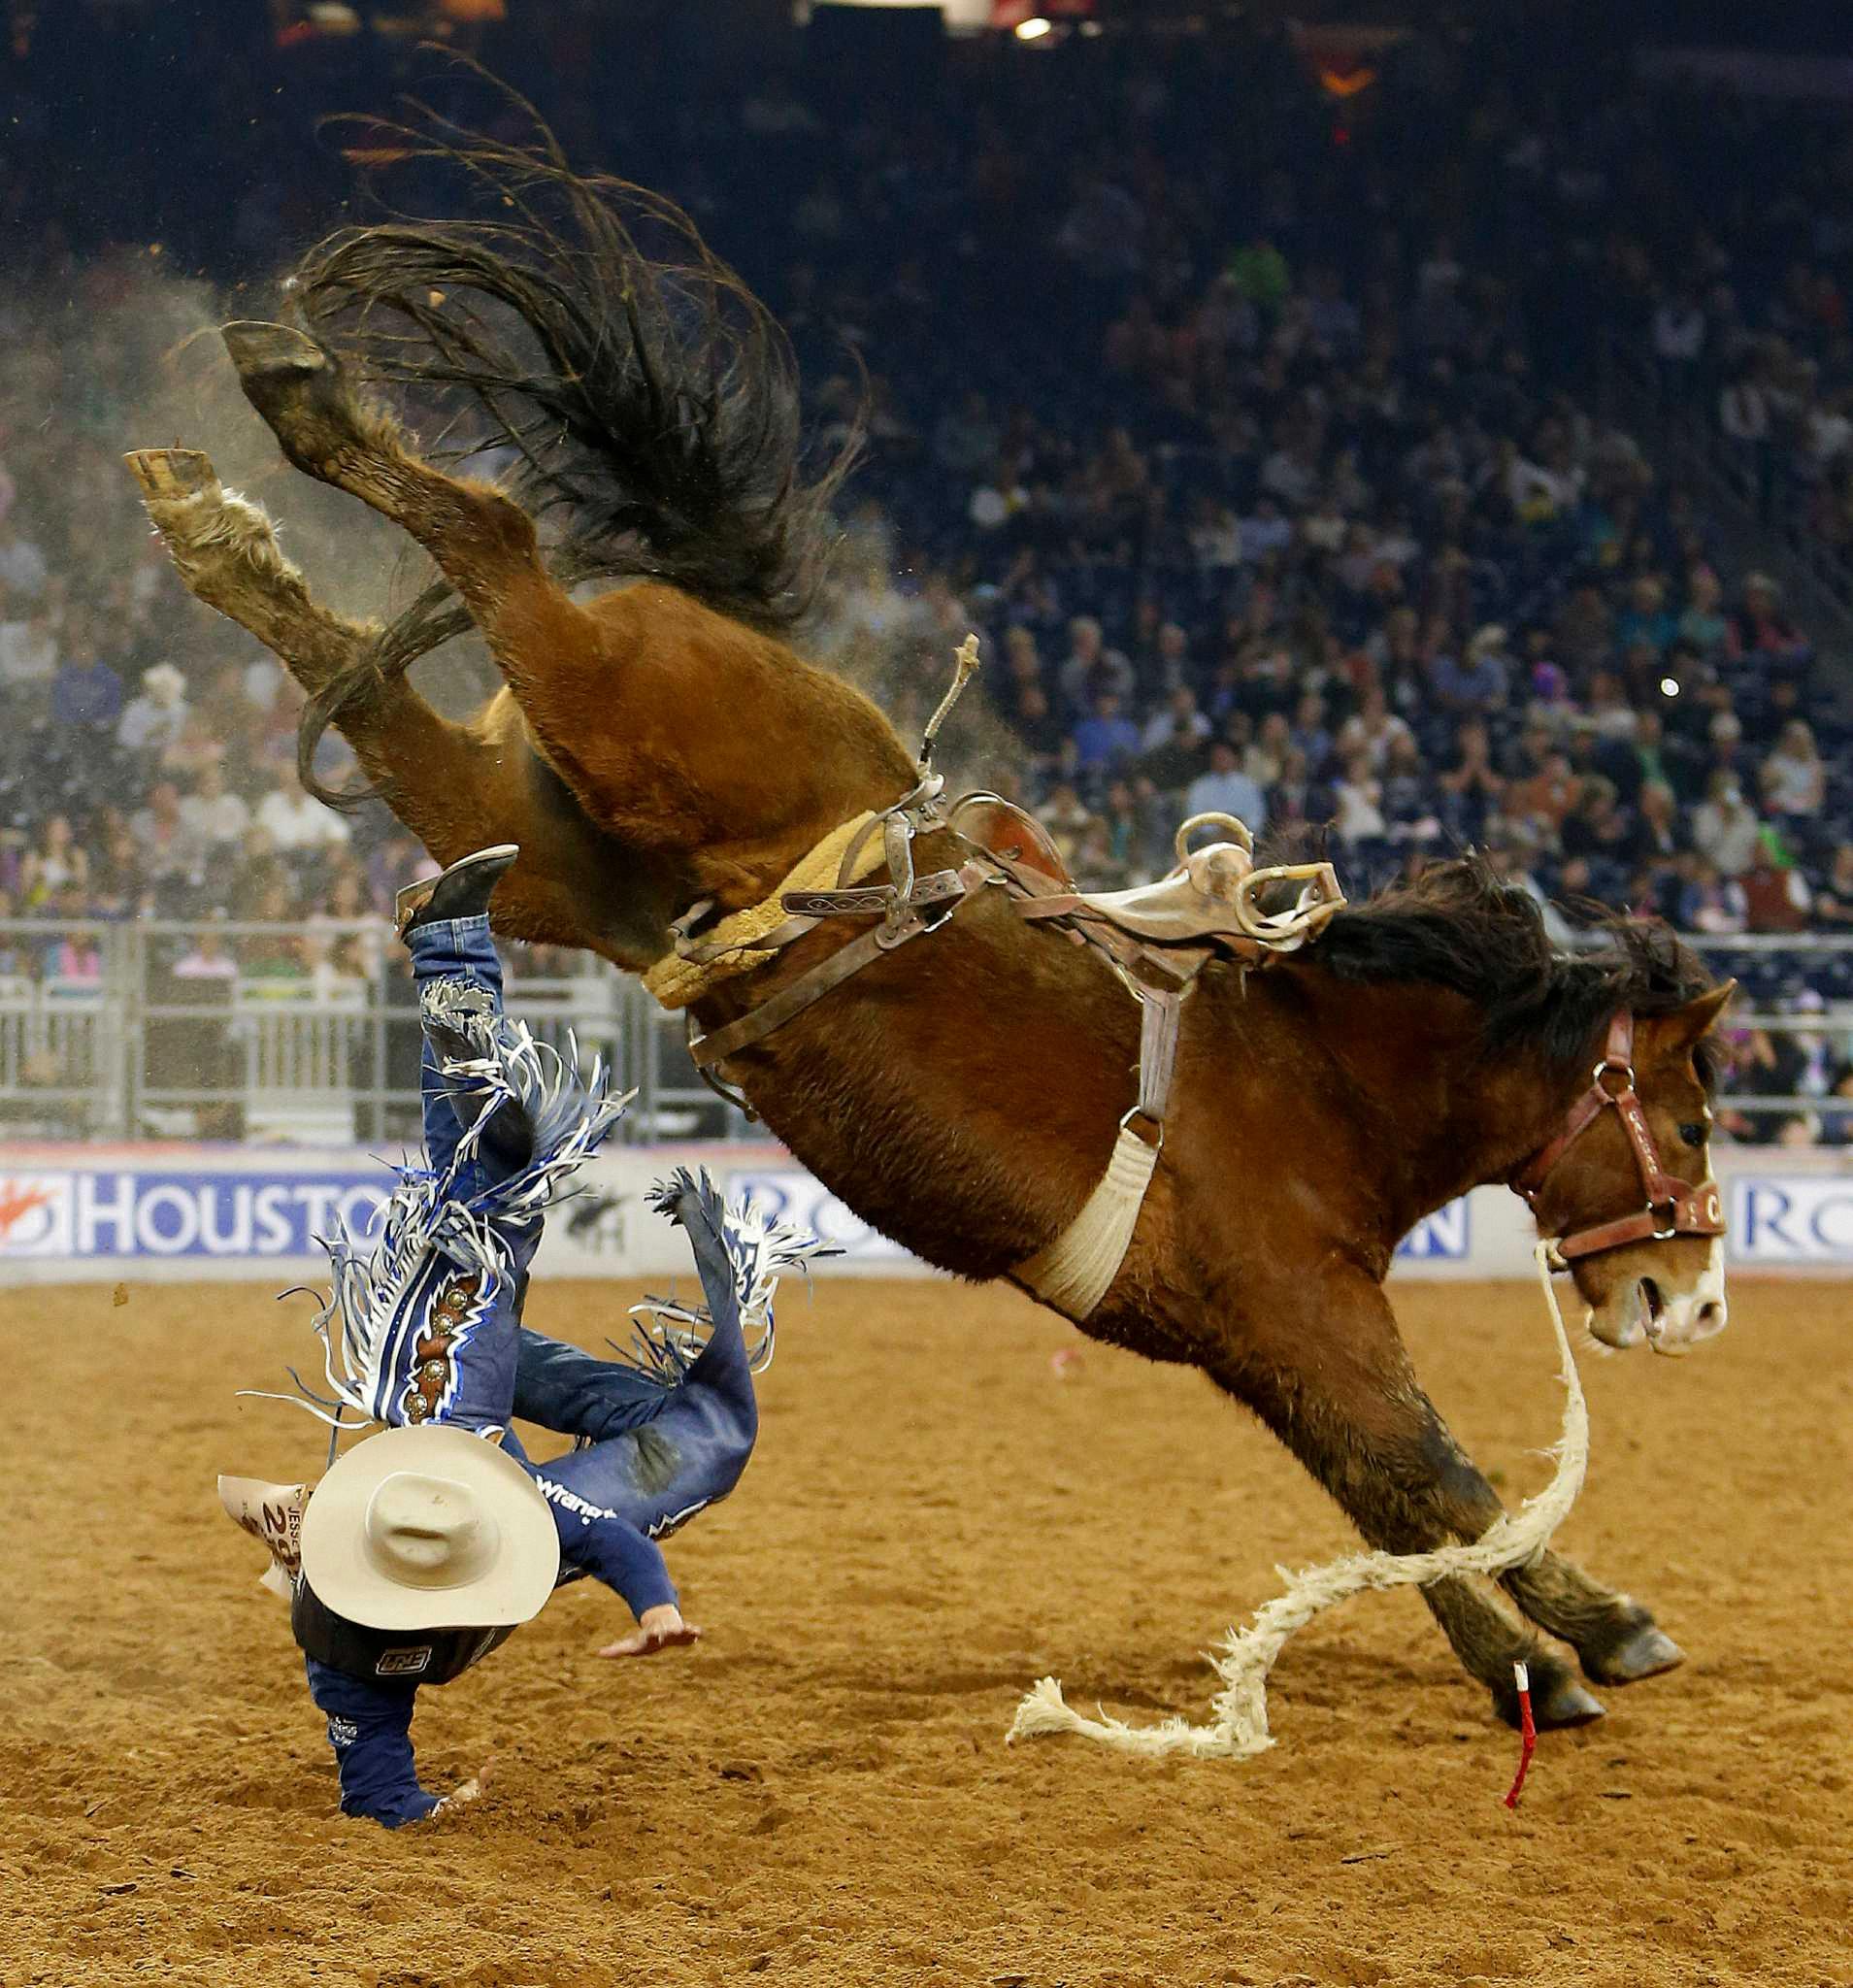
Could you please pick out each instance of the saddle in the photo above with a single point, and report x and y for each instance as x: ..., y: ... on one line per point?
x: 1212, y: 900
x: 1216, y: 904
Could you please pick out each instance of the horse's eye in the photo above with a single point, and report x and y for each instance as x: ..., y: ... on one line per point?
x: 1693, y: 1133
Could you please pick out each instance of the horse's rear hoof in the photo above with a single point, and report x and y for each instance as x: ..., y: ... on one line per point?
x: 1557, y: 1699
x: 258, y: 348
x: 1644, y: 1652
x: 168, y: 475
x: 299, y: 388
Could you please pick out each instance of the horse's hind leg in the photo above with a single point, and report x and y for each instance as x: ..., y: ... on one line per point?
x: 555, y: 657
x: 452, y: 788
x: 225, y: 550
x: 1616, y: 1640
x: 564, y: 664
x: 482, y: 541
x: 1333, y: 1381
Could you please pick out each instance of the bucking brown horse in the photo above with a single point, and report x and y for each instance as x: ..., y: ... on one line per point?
x: 661, y: 747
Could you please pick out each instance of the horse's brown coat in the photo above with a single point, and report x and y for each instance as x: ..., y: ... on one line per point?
x: 963, y: 1093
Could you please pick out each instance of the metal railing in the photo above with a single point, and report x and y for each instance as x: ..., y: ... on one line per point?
x: 267, y: 1032
x: 282, y: 1033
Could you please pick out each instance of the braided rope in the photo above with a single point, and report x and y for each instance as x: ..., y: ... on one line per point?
x: 1237, y: 1728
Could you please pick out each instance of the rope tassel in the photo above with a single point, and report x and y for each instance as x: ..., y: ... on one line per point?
x: 965, y: 663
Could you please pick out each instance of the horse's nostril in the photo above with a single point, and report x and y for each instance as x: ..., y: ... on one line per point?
x: 1712, y: 1318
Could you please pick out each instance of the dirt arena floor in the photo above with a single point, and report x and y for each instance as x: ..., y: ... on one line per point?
x: 820, y: 1794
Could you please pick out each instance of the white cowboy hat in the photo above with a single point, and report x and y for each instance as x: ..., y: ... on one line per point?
x: 429, y: 1528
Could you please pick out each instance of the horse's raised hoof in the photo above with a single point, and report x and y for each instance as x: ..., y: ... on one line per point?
x: 1557, y: 1699
x: 1643, y: 1652
x: 259, y: 348
x: 170, y: 476
x: 298, y: 387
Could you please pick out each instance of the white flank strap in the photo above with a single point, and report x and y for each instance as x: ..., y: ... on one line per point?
x: 1076, y: 1271
x: 1238, y: 1724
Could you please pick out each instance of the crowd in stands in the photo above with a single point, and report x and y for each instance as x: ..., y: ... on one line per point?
x: 1265, y: 493
x: 1738, y: 272
x: 147, y: 760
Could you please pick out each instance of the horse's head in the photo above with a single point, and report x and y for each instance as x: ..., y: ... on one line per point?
x: 1626, y: 1184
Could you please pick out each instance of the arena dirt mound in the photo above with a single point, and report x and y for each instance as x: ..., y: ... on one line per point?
x: 820, y: 1793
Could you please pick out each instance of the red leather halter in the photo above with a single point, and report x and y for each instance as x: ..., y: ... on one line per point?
x: 1674, y: 1207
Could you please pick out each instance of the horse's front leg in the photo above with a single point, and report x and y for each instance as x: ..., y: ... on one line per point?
x: 455, y: 786
x: 1321, y: 1362
x: 1616, y: 1640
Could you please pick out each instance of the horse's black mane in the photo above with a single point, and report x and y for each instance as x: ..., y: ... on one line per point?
x: 1457, y: 926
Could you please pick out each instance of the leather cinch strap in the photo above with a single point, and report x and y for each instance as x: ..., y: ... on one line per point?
x: 1075, y: 1272
x: 1673, y: 1207
x: 1157, y: 1050
x: 817, y: 981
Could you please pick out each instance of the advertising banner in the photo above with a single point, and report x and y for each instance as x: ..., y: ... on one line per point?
x: 1444, y: 1236
x: 202, y: 1212
x: 1791, y: 1221
x: 222, y: 1213
x: 120, y: 1215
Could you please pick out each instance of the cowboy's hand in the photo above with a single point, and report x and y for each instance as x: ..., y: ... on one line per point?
x: 657, y: 1629
x: 468, y: 1791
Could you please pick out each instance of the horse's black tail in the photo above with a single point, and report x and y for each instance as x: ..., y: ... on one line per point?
x: 580, y: 325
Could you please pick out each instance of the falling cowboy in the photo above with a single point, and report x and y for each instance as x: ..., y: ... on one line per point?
x: 425, y: 1545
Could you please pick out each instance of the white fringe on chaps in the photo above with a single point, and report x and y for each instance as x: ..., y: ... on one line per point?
x: 1238, y: 1727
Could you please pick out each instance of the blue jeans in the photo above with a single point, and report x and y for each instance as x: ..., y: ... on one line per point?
x: 459, y: 950
x: 370, y: 1728
x: 558, y: 1386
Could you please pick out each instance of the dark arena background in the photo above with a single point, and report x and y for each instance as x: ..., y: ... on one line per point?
x: 1412, y: 430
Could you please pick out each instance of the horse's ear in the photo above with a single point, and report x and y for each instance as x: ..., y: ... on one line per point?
x: 1685, y: 1026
